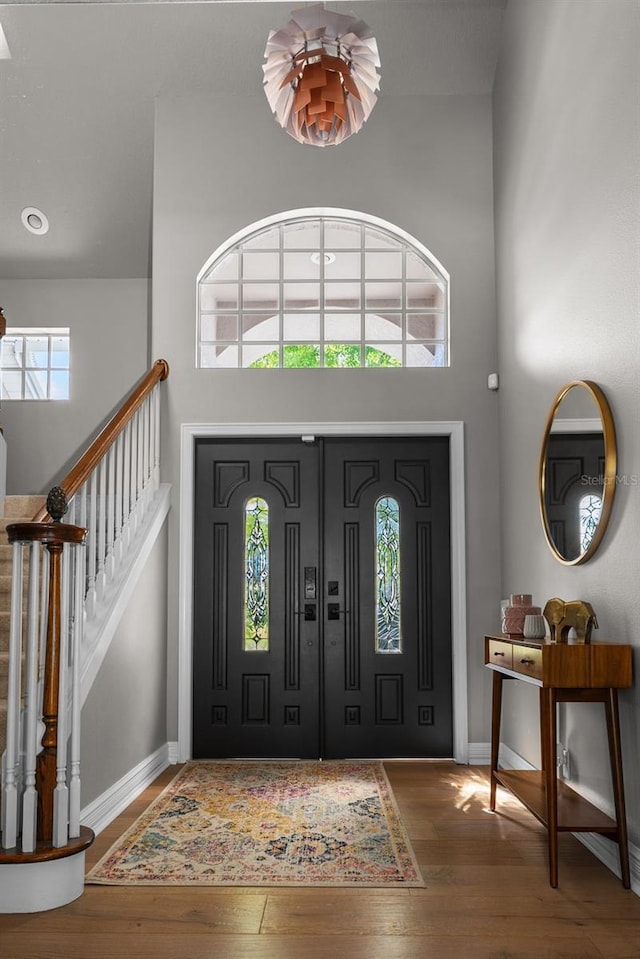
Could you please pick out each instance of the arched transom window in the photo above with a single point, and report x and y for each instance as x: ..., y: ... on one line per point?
x: 320, y: 289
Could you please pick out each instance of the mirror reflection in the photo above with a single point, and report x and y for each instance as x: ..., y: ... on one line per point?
x: 577, y: 471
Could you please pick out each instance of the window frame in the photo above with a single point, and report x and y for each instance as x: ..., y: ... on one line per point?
x: 26, y: 368
x: 394, y: 344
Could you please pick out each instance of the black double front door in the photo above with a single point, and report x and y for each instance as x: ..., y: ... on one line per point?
x: 322, y: 598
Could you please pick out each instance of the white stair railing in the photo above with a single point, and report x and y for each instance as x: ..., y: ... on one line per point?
x: 112, y: 501
x: 72, y: 566
x: 37, y: 802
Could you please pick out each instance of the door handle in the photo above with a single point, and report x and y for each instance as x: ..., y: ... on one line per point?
x: 334, y: 611
x: 309, y: 612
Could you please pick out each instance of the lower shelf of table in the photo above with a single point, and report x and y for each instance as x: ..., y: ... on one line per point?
x: 575, y: 813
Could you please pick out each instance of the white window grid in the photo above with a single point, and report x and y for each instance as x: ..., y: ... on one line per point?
x: 35, y: 364
x: 238, y: 331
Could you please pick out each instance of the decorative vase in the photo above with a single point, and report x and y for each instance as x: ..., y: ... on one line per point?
x: 521, y: 599
x: 534, y: 626
x: 504, y: 606
x: 514, y: 614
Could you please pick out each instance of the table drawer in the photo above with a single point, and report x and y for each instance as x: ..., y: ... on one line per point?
x: 499, y: 653
x: 527, y: 660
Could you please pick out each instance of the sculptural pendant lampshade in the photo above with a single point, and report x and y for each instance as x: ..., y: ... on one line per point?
x: 320, y: 75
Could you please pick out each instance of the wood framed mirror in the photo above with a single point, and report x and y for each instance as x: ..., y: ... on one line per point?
x: 577, y: 471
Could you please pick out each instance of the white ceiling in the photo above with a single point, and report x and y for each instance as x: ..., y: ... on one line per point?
x: 77, y: 100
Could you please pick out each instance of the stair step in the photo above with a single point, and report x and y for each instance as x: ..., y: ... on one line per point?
x: 19, y: 507
x: 4, y: 672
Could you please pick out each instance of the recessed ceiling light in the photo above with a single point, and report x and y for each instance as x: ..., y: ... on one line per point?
x: 326, y: 257
x: 34, y: 220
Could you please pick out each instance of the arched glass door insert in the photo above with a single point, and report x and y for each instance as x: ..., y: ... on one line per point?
x: 256, y: 575
x: 589, y: 512
x: 322, y: 289
x: 387, y: 573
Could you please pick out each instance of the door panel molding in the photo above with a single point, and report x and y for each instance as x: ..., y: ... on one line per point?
x: 292, y: 606
x: 454, y: 429
x: 425, y: 627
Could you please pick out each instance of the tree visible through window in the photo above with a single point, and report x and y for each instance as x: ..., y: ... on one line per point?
x: 332, y: 289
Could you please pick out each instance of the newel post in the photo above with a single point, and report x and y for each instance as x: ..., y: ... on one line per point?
x: 46, y: 762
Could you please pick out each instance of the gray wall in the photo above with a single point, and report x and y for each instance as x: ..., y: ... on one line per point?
x: 567, y: 244
x: 108, y: 322
x: 423, y: 163
x: 124, y: 718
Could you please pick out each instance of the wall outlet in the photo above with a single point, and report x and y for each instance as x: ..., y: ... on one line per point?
x: 563, y: 761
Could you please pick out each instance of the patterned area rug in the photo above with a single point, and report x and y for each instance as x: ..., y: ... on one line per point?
x: 267, y: 823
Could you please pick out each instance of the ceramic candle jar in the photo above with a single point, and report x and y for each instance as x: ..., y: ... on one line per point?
x: 514, y: 615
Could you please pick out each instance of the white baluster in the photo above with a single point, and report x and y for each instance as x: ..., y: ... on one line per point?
x: 82, y: 493
x: 91, y: 548
x: 74, y: 506
x: 126, y: 499
x: 11, y: 756
x: 101, y: 470
x: 133, y: 436
x: 152, y: 442
x: 44, y: 605
x: 156, y: 438
x: 76, y: 643
x: 146, y: 471
x: 82, y: 521
x: 139, y: 460
x: 111, y: 506
x: 61, y: 792
x: 32, y: 727
x: 142, y: 500
x: 119, y: 493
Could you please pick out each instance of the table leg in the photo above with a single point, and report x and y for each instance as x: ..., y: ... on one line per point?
x: 548, y: 747
x: 544, y: 759
x: 615, y: 756
x: 496, y: 709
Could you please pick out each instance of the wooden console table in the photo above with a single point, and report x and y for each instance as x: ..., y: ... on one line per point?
x: 564, y: 672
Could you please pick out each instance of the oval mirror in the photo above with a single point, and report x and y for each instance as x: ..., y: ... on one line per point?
x: 577, y: 473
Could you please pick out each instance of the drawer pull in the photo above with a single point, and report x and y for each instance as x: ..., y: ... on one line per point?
x: 498, y: 653
x: 528, y: 662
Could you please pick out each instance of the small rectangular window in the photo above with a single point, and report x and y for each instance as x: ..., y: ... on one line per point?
x: 34, y: 364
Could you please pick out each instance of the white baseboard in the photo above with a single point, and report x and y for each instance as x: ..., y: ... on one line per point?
x: 509, y: 759
x: 602, y: 848
x: 103, y: 810
x: 479, y: 754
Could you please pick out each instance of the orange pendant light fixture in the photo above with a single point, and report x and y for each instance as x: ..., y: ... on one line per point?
x: 320, y: 74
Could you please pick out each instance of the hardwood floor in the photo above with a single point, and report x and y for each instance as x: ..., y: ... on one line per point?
x: 486, y: 896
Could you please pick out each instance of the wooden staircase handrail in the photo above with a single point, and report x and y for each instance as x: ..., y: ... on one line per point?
x: 90, y: 459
